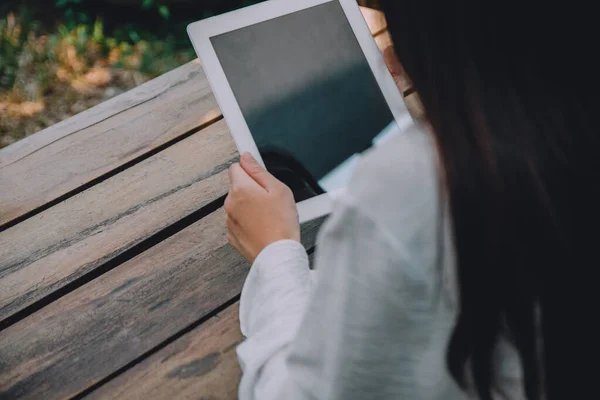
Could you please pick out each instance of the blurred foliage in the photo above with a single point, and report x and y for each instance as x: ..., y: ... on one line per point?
x: 78, y: 39
x: 73, y: 50
x: 59, y: 57
x: 75, y: 45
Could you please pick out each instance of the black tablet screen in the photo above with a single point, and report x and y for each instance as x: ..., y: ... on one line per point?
x: 307, y: 94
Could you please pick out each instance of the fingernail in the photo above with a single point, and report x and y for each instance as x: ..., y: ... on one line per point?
x: 247, y: 157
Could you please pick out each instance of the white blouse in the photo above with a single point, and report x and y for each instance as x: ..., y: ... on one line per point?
x: 373, y: 320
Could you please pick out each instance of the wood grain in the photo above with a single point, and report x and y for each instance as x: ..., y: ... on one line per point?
x: 75, y: 159
x: 124, y: 314
x: 93, y: 116
x: 102, y: 326
x: 143, y: 93
x: 56, y: 161
x: 200, y: 365
x: 51, y: 249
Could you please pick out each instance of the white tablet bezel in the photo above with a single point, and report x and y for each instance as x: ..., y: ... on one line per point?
x: 201, y: 32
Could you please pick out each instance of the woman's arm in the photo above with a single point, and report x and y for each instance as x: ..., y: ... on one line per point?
x: 273, y: 303
x: 370, y: 328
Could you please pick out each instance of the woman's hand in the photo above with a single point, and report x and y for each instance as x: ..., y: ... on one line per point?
x: 260, y: 209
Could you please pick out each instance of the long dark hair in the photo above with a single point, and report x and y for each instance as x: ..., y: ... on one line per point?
x: 510, y: 91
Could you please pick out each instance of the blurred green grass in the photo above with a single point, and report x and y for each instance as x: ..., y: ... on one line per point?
x: 60, y: 57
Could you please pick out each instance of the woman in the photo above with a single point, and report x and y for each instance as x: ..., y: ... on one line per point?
x: 456, y: 264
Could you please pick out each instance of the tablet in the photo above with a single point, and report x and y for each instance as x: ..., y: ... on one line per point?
x: 303, y: 88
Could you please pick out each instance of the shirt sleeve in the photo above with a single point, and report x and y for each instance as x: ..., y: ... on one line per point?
x: 273, y: 301
x: 369, y: 328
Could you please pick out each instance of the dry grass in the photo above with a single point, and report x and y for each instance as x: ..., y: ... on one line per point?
x: 47, y: 78
x: 19, y: 119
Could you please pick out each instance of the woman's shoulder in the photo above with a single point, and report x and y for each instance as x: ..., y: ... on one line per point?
x: 397, y: 183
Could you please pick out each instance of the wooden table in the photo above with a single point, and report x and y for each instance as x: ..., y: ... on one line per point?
x: 116, y: 279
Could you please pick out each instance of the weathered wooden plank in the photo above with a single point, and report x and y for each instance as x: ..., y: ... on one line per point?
x: 57, y: 161
x: 78, y: 158
x: 97, y: 114
x: 101, y: 327
x: 143, y: 93
x: 51, y: 249
x: 200, y: 365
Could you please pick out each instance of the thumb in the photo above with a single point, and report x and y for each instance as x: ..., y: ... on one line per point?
x: 256, y: 171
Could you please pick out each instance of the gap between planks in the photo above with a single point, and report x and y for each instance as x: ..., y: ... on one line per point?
x: 76, y: 280
x: 109, y: 174
x: 53, y: 160
x: 98, y: 329
x: 114, y: 263
x: 201, y: 365
x: 161, y: 346
x: 61, y: 168
x: 79, y: 280
x: 383, y: 40
x: 197, y: 350
x: 72, y: 239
